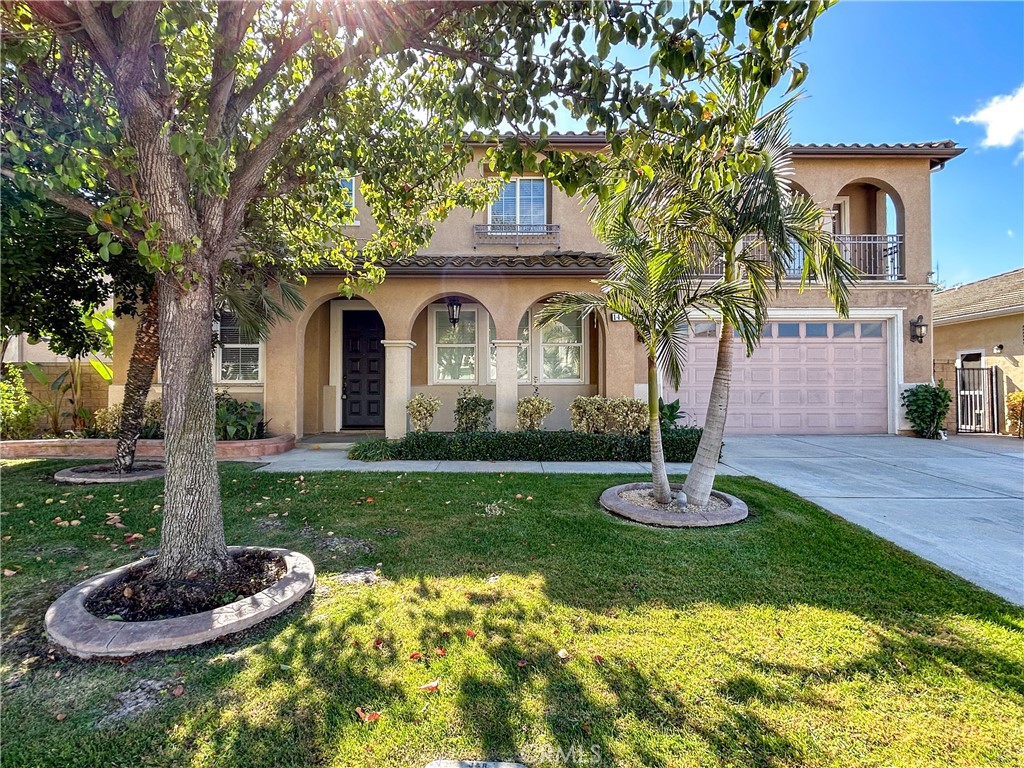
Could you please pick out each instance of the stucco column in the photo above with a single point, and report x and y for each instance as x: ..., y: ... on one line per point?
x: 506, y: 383
x: 397, y: 371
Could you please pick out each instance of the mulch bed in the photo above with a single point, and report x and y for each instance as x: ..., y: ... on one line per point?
x: 139, y: 597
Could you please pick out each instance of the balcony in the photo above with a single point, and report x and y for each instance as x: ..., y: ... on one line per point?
x: 517, y: 234
x: 875, y: 257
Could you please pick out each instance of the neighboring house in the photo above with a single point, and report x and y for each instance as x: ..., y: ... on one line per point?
x: 354, y: 363
x: 979, y: 349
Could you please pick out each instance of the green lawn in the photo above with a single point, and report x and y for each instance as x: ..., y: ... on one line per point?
x: 790, y: 639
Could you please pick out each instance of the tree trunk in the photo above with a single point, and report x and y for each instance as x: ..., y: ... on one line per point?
x: 659, y: 477
x: 192, y: 537
x: 697, y: 488
x: 141, y: 369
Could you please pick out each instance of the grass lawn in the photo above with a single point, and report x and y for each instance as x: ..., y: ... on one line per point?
x: 790, y: 639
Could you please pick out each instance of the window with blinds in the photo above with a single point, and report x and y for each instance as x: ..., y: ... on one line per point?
x: 239, y: 354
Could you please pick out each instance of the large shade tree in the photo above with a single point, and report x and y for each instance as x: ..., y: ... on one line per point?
x: 202, y: 116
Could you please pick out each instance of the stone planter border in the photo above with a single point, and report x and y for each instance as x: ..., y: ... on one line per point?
x: 88, y: 474
x: 80, y: 633
x: 94, y: 448
x: 614, y: 503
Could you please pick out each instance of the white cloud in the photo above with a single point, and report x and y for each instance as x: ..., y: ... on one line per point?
x: 1003, y: 118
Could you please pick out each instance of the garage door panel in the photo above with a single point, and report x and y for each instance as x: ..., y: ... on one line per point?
x: 796, y: 384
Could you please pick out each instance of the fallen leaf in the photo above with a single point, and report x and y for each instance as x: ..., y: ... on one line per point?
x: 80, y: 568
x: 521, y: 663
x: 431, y: 686
x: 9, y: 572
x: 415, y: 655
x: 179, y: 690
x: 369, y: 499
x: 62, y: 716
x: 378, y: 643
x: 470, y: 633
x: 5, y: 538
x: 367, y: 717
x: 563, y: 654
x: 128, y: 592
x: 284, y: 667
x: 440, y: 651
x: 598, y: 659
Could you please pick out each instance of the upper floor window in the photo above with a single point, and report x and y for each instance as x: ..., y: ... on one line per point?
x: 521, y: 203
x: 349, y: 185
x: 239, y: 354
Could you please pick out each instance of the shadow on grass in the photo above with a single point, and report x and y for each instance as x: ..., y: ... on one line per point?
x: 291, y: 698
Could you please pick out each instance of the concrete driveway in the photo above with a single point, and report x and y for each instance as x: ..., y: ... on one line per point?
x: 958, y: 503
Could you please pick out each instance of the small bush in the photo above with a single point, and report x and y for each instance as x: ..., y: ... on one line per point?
x: 18, y: 414
x: 533, y: 445
x: 107, y: 421
x: 589, y: 414
x: 531, y: 412
x: 374, y: 450
x: 422, y: 409
x: 926, y: 408
x: 1015, y: 413
x: 237, y: 420
x: 472, y: 411
x: 628, y: 415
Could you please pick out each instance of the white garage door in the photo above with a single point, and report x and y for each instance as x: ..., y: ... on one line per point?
x: 807, y: 377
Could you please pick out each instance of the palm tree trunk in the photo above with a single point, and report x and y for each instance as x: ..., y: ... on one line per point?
x: 141, y: 369
x: 659, y: 477
x: 697, y: 488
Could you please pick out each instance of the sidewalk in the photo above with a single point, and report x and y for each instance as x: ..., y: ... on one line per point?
x: 334, y: 458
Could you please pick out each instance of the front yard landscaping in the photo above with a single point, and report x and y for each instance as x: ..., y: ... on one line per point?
x: 511, y: 617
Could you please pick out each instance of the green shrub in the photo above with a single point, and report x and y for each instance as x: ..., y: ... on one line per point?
x: 374, y: 450
x: 107, y: 421
x: 472, y: 411
x: 927, y: 407
x: 422, y: 409
x: 589, y: 414
x: 237, y: 420
x: 1015, y: 413
x: 531, y: 412
x: 628, y: 415
x: 680, y: 445
x: 18, y: 414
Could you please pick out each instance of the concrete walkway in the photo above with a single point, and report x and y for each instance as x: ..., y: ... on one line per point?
x: 958, y: 503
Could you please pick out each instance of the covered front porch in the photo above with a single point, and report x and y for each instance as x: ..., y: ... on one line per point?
x: 353, y: 364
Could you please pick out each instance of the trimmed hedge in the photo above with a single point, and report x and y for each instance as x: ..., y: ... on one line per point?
x: 680, y: 445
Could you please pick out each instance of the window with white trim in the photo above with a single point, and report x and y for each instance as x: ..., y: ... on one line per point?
x: 522, y: 204
x: 349, y: 184
x: 561, y: 349
x: 239, y: 355
x: 522, y: 354
x: 454, y: 346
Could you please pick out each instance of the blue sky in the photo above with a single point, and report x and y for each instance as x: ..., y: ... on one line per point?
x: 884, y: 72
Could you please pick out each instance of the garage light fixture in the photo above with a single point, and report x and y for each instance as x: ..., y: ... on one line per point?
x: 918, y: 329
x: 997, y: 349
x: 454, y: 308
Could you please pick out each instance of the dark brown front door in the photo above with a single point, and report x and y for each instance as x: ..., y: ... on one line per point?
x: 362, y: 370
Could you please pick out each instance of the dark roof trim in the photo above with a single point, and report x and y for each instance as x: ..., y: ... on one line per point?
x: 551, y: 262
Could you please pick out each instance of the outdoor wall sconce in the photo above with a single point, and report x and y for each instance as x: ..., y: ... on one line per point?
x: 918, y: 329
x: 997, y: 349
x: 454, y: 307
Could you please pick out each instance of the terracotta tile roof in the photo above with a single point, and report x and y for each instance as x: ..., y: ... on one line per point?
x: 999, y: 294
x: 937, y: 151
x: 575, y: 262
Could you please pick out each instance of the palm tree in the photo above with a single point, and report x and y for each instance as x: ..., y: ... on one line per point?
x: 655, y: 291
x: 742, y: 219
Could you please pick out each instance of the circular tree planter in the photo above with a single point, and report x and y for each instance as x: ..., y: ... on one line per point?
x: 88, y: 474
x: 83, y: 634
x: 612, y: 500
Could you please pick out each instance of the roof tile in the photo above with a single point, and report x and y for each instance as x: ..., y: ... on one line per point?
x: 990, y: 294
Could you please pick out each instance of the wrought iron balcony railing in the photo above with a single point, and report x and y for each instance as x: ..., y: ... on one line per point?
x: 876, y: 257
x: 517, y: 234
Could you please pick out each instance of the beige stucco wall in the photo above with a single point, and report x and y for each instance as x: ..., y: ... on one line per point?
x: 950, y: 339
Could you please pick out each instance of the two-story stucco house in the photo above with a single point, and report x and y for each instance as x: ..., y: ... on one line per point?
x: 354, y: 363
